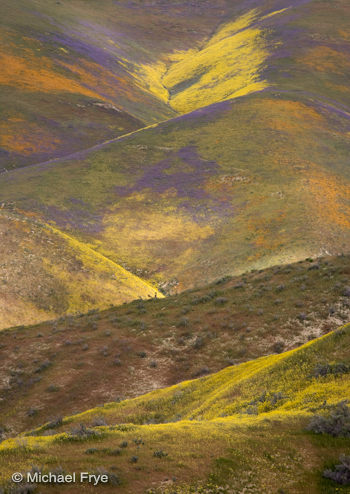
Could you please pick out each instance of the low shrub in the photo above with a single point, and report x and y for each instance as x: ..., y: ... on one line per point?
x: 341, y: 472
x: 160, y: 454
x: 323, y: 370
x: 337, y: 423
x: 98, y: 422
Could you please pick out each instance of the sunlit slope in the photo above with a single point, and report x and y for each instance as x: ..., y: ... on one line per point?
x: 75, y: 74
x: 134, y: 348
x: 229, y: 65
x: 71, y: 71
x: 252, y: 182
x: 298, y: 46
x: 285, y: 383
x: 45, y: 273
x: 226, y: 65
x: 242, y: 429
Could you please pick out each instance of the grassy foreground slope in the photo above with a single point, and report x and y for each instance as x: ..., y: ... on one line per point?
x: 74, y: 363
x: 241, y: 430
x: 45, y: 274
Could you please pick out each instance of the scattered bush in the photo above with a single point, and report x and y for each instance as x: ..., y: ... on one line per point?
x: 160, y: 454
x: 138, y: 442
x: 45, y: 365
x: 22, y: 489
x: 314, y: 267
x: 183, y: 323
x: 302, y: 317
x: 55, y: 423
x: 341, y: 474
x: 113, y: 479
x: 337, y: 424
x: 91, y: 451
x: 134, y: 459
x: 82, y: 432
x: 278, y: 347
x: 239, y: 285
x: 221, y: 301
x: 100, y: 421
x: 116, y: 452
x: 202, y: 372
x: 346, y: 292
x: 52, y: 388
x: 223, y: 280
x: 198, y: 343
x: 323, y: 370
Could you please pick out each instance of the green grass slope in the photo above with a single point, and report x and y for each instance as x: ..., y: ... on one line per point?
x: 74, y: 363
x: 45, y: 273
x: 241, y: 430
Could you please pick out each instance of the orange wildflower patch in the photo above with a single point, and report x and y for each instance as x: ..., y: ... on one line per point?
x: 325, y: 59
x: 330, y: 197
x: 36, y: 73
x: 262, y: 228
x: 289, y: 115
x: 103, y: 80
x: 25, y: 138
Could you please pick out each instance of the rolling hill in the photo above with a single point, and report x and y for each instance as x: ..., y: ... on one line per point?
x: 208, y: 199
x: 174, y: 245
x: 72, y: 72
x: 242, y: 429
x: 45, y: 274
x: 61, y: 367
x: 257, y: 178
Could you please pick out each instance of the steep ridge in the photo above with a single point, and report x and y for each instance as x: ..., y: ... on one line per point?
x: 45, y: 273
x: 240, y: 429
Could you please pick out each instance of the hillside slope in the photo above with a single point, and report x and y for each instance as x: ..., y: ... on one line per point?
x: 244, y: 184
x: 241, y: 430
x: 61, y: 367
x: 72, y: 71
x: 258, y: 179
x: 44, y: 274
